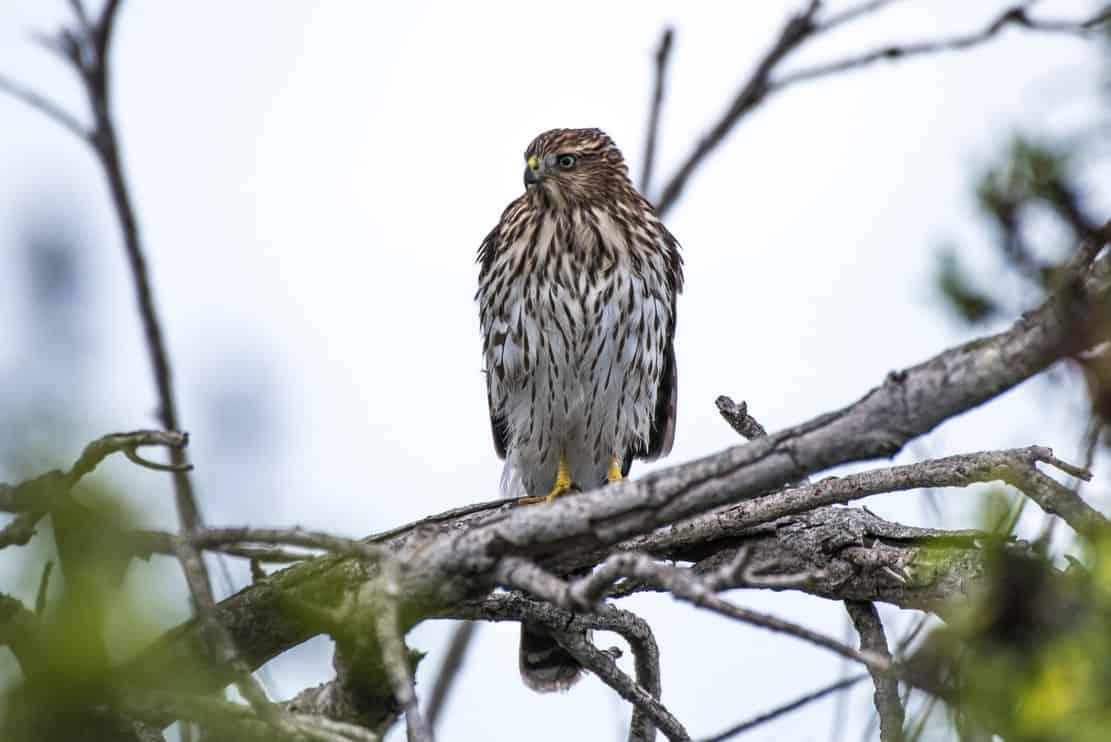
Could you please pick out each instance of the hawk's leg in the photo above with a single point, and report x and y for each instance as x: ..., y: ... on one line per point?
x: 561, y: 487
x: 614, y: 474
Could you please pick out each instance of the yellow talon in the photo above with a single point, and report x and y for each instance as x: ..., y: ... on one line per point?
x: 614, y: 474
x: 561, y: 487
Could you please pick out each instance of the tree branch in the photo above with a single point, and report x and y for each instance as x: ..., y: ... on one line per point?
x: 516, y: 606
x: 34, y: 498
x: 778, y: 711
x: 866, y: 619
x: 852, y: 13
x: 583, y: 594
x: 795, y: 31
x: 447, y: 561
x: 738, y: 418
x: 46, y: 106
x: 449, y: 671
x: 1013, y: 16
x: 603, y: 665
x: 805, y: 26
x: 389, y: 630
x: 663, y: 54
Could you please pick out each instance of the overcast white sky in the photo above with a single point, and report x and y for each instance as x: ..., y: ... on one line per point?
x: 313, y: 180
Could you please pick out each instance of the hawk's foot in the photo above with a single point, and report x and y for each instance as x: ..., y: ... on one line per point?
x: 614, y: 474
x: 561, y: 487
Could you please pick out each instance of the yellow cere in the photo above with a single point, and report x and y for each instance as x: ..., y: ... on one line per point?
x: 533, y: 163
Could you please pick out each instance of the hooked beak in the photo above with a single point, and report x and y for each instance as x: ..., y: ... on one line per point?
x: 532, y: 172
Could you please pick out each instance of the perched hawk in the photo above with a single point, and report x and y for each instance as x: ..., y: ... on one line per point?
x: 577, y: 302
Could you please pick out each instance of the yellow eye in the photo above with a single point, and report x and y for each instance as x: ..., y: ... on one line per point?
x: 566, y: 162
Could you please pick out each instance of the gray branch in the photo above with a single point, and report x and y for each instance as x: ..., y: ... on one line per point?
x: 866, y: 619
x: 1015, y: 16
x: 516, y: 606
x: 34, y: 498
x: 703, y: 510
x: 583, y: 594
x: 461, y: 639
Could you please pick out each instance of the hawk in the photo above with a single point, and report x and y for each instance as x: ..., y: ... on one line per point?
x: 576, y: 295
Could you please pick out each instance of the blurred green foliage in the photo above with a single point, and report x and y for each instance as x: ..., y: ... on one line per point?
x: 1029, y: 659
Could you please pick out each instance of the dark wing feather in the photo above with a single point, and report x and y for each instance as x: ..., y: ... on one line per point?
x: 497, y: 427
x: 662, y: 434
x: 486, y: 254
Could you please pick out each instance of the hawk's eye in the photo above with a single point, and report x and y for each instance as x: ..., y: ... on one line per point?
x: 567, y: 162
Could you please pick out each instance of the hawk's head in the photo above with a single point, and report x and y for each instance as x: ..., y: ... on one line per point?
x: 574, y: 166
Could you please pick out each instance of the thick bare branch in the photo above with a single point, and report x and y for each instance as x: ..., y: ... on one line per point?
x: 1016, y: 466
x: 448, y: 561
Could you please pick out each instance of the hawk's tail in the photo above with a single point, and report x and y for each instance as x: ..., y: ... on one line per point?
x: 545, y: 665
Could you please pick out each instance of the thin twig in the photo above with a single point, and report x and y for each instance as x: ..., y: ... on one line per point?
x: 805, y: 26
x: 29, y: 495
x: 663, y: 54
x: 785, y: 709
x: 21, y: 528
x: 1016, y: 16
x: 44, y: 587
x: 222, y: 537
x: 46, y: 106
x: 603, y: 665
x: 795, y: 31
x: 88, y: 51
x: 852, y: 13
x: 34, y: 498
x: 518, y: 606
x: 585, y: 592
x: 866, y: 619
x: 461, y: 639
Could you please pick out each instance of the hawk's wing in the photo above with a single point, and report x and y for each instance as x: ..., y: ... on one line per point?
x: 662, y: 434
x: 486, y: 254
x: 497, y: 425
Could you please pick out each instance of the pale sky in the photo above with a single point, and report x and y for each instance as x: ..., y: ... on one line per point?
x: 313, y: 180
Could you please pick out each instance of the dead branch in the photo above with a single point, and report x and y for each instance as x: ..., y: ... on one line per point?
x: 738, y: 418
x: 663, y: 54
x: 34, y: 498
x: 1015, y: 16
x: 866, y: 619
x: 460, y: 642
x: 806, y: 26
x: 516, y: 606
x: 682, y: 583
x: 785, y: 709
